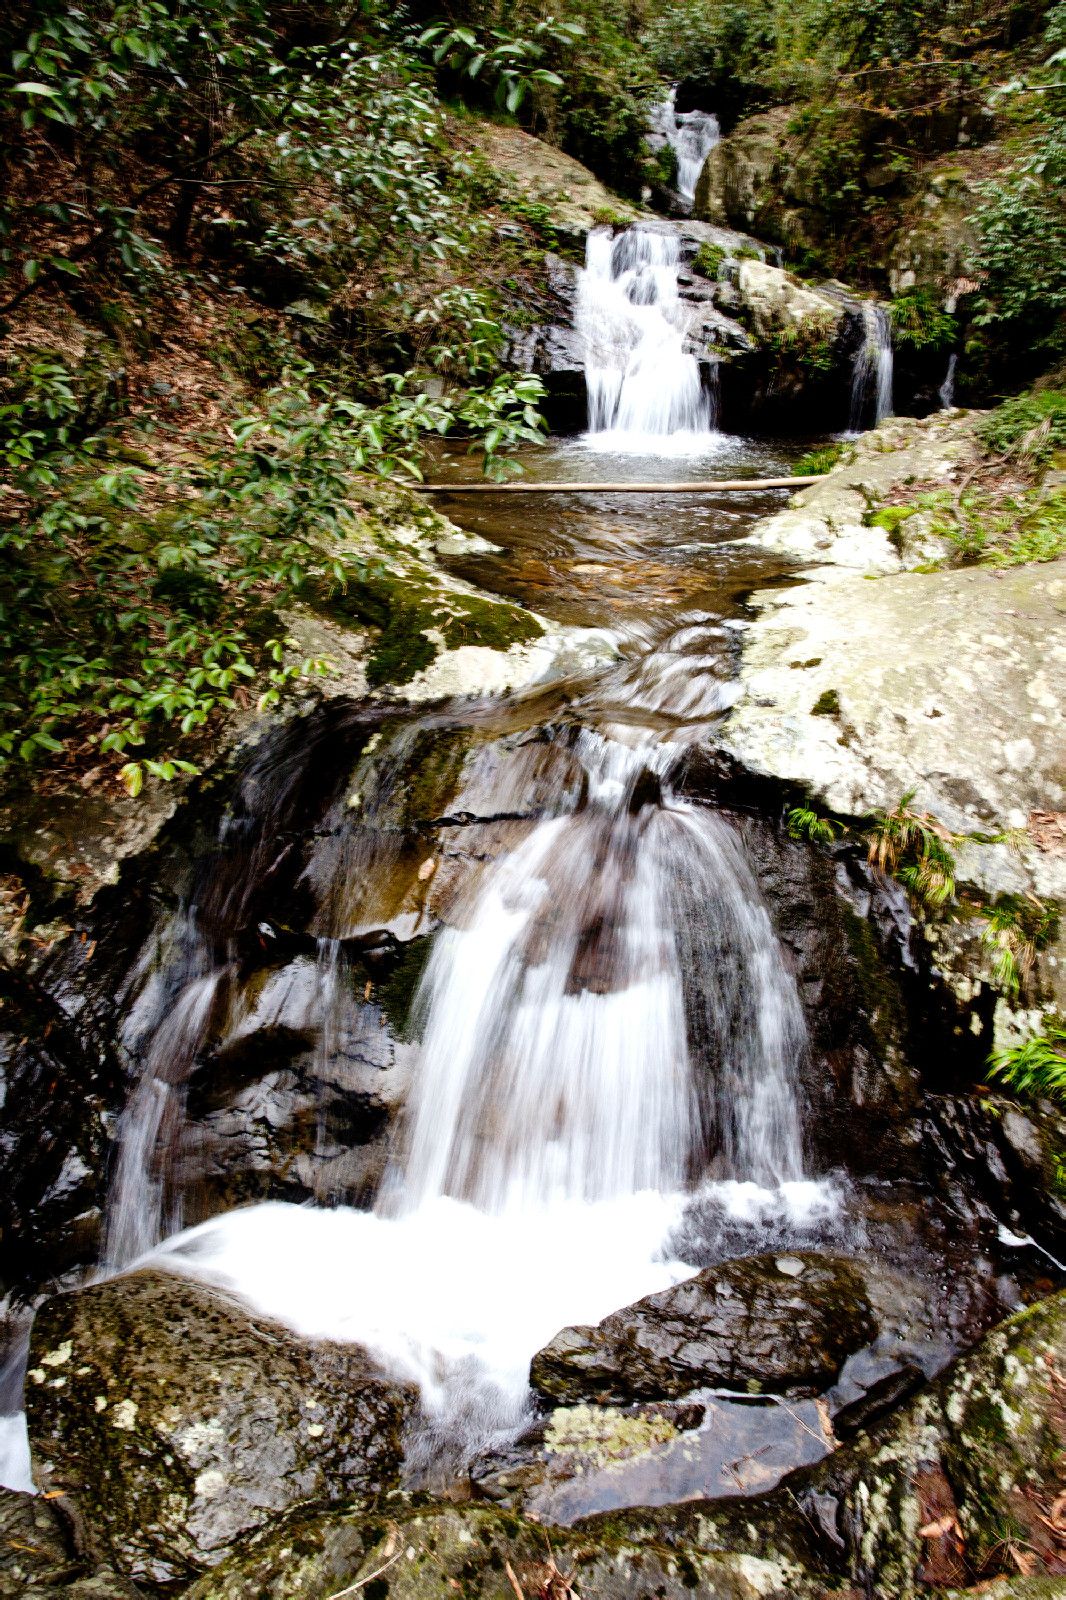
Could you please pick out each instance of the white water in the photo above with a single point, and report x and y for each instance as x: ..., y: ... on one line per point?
x: 692, y: 136
x: 871, y: 383
x: 946, y: 392
x: 608, y: 1021
x: 645, y: 391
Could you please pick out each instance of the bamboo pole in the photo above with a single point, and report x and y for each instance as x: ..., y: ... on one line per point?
x: 709, y: 487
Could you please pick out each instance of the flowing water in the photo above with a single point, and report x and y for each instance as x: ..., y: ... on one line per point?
x: 946, y: 392
x: 609, y: 1046
x: 646, y: 392
x: 691, y: 135
x: 871, y: 384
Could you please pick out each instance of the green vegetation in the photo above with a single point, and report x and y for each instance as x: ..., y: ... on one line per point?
x: 708, y: 260
x: 1037, y: 1068
x: 804, y: 823
x: 1031, y: 428
x: 1019, y: 926
x: 919, y: 321
x: 827, y: 704
x: 815, y: 462
x: 916, y: 848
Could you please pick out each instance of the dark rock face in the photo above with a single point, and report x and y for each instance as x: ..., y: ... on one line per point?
x: 769, y: 1323
x: 1009, y: 1152
x: 58, y: 1081
x: 39, y: 1559
x: 177, y: 1421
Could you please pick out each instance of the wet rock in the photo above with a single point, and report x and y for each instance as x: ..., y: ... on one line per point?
x: 1010, y: 1153
x: 39, y: 1559
x: 948, y: 1491
x: 750, y: 1324
x: 176, y: 1421
x: 442, y: 1551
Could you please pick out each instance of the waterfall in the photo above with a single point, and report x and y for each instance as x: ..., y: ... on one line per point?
x: 608, y: 1025
x: 556, y: 1016
x: 871, y: 383
x: 692, y: 135
x: 641, y: 380
x: 946, y: 392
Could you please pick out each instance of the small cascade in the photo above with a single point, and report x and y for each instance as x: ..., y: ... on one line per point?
x: 642, y: 382
x: 607, y: 1022
x: 691, y: 135
x: 946, y: 392
x: 174, y: 1012
x: 871, y: 383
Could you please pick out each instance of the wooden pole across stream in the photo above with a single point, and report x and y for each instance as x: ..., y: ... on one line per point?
x: 710, y: 487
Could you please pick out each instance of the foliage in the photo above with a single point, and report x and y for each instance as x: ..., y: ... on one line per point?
x: 1037, y: 1068
x: 803, y: 823
x: 1031, y: 426
x: 510, y: 64
x: 1018, y: 927
x: 133, y: 606
x: 920, y: 322
x: 916, y: 848
x: 1000, y: 530
x: 815, y: 462
x: 708, y: 260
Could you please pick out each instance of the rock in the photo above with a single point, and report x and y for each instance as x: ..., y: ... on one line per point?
x: 438, y: 1552
x: 177, y: 1421
x: 38, y: 1558
x: 737, y: 187
x: 945, y: 1492
x: 1011, y: 1154
x: 743, y: 1325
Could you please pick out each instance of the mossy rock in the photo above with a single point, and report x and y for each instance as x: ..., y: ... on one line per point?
x: 477, y: 1553
x: 176, y: 1421
x: 417, y: 618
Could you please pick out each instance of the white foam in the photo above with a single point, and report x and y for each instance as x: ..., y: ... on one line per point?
x: 15, y: 1471
x: 442, y: 1289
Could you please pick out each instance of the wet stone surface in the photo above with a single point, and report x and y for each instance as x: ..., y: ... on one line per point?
x: 780, y: 1324
x: 176, y: 1422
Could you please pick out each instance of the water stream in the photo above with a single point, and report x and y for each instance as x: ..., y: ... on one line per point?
x: 608, y: 1039
x: 872, y: 372
x: 691, y: 135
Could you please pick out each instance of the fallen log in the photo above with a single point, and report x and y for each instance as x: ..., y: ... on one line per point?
x: 711, y: 486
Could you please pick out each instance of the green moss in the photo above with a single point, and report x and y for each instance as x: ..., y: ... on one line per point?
x: 827, y: 704
x: 889, y: 517
x: 407, y: 609
x: 824, y: 459
x: 395, y: 992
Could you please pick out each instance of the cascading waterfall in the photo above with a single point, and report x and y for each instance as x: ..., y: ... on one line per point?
x: 871, y: 383
x: 607, y: 1021
x: 644, y: 388
x: 691, y: 135
x: 946, y: 392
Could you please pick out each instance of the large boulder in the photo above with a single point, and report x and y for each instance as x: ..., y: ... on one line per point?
x: 177, y: 1421
x: 761, y: 1323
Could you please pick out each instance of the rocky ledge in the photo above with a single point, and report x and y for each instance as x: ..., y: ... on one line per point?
x: 769, y: 1323
x: 890, y: 672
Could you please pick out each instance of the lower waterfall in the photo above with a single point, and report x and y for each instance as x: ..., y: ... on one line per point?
x: 872, y: 372
x: 609, y: 1027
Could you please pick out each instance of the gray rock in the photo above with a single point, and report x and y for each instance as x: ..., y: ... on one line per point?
x: 746, y: 1325
x: 38, y: 1559
x: 176, y: 1421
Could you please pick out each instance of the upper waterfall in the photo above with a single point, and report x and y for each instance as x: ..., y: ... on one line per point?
x: 691, y: 135
x: 641, y: 380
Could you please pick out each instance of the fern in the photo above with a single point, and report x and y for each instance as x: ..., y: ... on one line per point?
x: 1037, y: 1068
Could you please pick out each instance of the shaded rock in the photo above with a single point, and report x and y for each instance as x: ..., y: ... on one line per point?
x: 936, y: 1498
x: 752, y: 1324
x: 484, y: 1554
x: 1011, y: 1154
x: 38, y: 1558
x: 177, y: 1421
